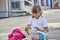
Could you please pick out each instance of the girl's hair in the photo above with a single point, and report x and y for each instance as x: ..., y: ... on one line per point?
x: 36, y: 9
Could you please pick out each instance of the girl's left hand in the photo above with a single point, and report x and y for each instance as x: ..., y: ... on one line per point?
x: 46, y: 29
x: 39, y: 29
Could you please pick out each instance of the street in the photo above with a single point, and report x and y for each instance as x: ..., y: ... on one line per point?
x: 52, y: 16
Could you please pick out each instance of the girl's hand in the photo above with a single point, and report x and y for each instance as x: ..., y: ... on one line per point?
x: 46, y: 29
x: 27, y: 27
x: 39, y: 29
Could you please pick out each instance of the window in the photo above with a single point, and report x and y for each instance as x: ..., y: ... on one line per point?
x: 27, y: 3
x: 42, y: 2
x: 47, y: 3
x: 15, y: 5
x: 35, y: 2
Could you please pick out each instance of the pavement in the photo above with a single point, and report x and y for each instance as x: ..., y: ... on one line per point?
x: 52, y: 16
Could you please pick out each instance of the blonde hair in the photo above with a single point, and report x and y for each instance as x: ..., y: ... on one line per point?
x: 36, y: 9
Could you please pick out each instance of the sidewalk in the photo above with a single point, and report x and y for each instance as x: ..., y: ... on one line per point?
x: 50, y: 11
x: 8, y: 24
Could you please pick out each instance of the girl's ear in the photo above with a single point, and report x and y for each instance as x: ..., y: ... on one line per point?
x: 40, y: 12
x: 32, y: 16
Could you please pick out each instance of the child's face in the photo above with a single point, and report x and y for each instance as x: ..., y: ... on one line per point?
x: 36, y: 15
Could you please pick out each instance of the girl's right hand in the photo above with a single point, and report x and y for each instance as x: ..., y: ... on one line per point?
x: 27, y: 27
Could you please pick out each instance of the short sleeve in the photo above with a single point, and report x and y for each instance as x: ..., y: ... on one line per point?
x: 44, y: 22
x: 30, y: 21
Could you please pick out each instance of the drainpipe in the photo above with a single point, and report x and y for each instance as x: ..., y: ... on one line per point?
x: 8, y: 9
x: 51, y: 4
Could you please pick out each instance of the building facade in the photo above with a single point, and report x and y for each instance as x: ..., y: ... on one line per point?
x: 52, y: 3
x: 9, y: 6
x: 3, y: 8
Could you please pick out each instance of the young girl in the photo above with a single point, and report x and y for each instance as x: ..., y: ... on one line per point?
x: 38, y: 22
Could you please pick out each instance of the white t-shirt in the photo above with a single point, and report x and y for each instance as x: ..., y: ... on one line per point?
x: 40, y: 23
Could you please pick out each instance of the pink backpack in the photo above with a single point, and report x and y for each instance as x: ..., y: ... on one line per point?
x: 16, y: 35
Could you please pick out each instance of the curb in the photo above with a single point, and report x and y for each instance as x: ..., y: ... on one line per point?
x: 54, y: 25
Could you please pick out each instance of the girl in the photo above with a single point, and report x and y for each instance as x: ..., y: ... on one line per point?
x: 39, y: 23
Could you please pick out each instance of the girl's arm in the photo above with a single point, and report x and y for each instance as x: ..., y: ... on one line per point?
x: 39, y: 29
x: 45, y: 25
x: 45, y: 29
x: 27, y: 27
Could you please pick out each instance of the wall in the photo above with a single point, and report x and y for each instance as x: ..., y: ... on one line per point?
x: 3, y: 8
x: 3, y: 5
